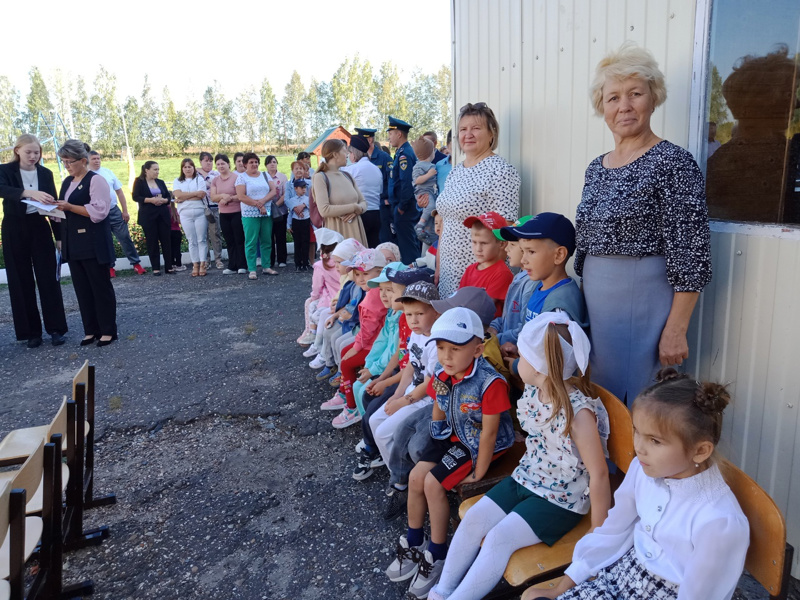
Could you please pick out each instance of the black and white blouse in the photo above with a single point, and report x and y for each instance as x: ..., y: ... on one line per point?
x: 654, y: 206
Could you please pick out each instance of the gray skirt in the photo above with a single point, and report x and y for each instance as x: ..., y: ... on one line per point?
x: 628, y: 300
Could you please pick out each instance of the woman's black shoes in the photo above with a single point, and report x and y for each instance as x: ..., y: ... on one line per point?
x: 102, y: 343
x: 88, y: 341
x: 58, y: 339
x: 35, y: 342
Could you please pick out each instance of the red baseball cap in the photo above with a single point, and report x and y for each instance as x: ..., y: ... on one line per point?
x: 490, y: 219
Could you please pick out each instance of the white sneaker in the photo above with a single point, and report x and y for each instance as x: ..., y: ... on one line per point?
x: 360, y: 446
x: 312, y: 351
x: 428, y: 574
x: 228, y: 272
x: 407, y: 559
x: 317, y: 363
x: 242, y: 272
x: 307, y: 338
x: 281, y: 264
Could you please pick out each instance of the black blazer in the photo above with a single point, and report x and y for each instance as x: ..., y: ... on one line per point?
x: 149, y: 213
x: 84, y: 238
x: 11, y: 187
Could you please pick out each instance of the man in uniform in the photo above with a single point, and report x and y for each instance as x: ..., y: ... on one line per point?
x: 383, y: 161
x: 405, y: 212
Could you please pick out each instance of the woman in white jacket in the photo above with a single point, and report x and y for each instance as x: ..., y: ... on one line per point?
x: 190, y: 192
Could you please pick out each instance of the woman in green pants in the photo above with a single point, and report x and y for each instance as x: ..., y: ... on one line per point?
x: 256, y: 191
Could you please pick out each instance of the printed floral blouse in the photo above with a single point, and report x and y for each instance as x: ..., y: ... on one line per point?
x: 551, y: 466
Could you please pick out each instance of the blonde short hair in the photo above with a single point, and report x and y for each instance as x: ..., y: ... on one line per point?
x: 629, y: 60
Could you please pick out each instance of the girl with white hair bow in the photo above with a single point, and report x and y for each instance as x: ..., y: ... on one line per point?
x: 563, y: 465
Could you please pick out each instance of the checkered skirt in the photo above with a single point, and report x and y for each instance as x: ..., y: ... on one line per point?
x: 626, y: 579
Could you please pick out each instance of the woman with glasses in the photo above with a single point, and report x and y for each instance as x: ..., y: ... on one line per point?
x: 28, y: 250
x: 483, y: 182
x: 190, y: 191
x: 86, y: 243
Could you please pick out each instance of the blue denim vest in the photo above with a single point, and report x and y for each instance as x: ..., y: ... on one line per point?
x: 461, y: 402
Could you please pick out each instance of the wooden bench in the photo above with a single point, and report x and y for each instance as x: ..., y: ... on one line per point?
x: 540, y: 563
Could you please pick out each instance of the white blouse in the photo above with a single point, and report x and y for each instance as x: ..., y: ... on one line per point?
x: 197, y: 184
x: 689, y: 531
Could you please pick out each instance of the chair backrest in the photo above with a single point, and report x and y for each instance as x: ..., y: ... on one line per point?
x: 29, y: 477
x: 5, y: 496
x: 767, y: 551
x: 620, y: 438
x: 59, y: 422
x: 82, y: 376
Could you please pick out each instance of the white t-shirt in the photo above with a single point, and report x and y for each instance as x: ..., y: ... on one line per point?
x: 113, y: 183
x: 423, y: 359
x: 198, y: 184
x: 30, y: 179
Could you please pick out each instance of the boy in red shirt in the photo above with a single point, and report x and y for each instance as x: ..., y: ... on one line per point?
x: 490, y: 271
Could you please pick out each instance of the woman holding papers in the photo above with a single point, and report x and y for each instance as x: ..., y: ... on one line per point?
x: 28, y: 249
x: 87, y: 246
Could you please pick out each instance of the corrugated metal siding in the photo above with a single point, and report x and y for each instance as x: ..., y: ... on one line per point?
x: 532, y: 61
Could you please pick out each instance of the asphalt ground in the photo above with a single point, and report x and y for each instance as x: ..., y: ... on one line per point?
x: 231, y: 483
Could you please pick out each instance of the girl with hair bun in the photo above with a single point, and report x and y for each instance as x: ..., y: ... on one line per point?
x: 676, y: 529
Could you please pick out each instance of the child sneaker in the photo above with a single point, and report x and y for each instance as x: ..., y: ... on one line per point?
x: 360, y: 446
x: 348, y: 416
x: 311, y: 351
x: 336, y: 379
x: 406, y: 561
x: 428, y: 574
x: 324, y: 374
x: 307, y: 338
x: 396, y: 503
x: 317, y: 363
x: 336, y: 403
x: 366, y: 465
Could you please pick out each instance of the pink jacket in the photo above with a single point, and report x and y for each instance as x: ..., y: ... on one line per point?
x: 372, y: 314
x: 325, y: 284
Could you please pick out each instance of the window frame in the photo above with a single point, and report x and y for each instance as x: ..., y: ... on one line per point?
x: 697, y: 129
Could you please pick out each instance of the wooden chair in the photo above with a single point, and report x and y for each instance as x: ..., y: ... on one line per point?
x: 18, y: 444
x: 539, y: 563
x: 769, y: 557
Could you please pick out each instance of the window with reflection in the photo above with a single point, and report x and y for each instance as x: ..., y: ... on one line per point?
x: 752, y: 147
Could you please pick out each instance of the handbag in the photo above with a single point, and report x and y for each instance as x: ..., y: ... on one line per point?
x: 316, y: 217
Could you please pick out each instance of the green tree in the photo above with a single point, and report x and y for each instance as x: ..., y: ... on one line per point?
x: 422, y: 103
x: 390, y: 96
x: 38, y: 99
x: 717, y: 107
x: 148, y: 117
x: 133, y: 115
x: 444, y: 101
x: 353, y: 88
x: 62, y: 98
x: 9, y: 110
x: 319, y: 104
x: 169, y: 142
x: 213, y: 129
x: 81, y: 114
x: 106, y: 110
x: 267, y: 113
x: 294, y: 110
x: 249, y: 110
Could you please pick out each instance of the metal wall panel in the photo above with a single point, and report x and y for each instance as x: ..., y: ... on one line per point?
x: 532, y: 61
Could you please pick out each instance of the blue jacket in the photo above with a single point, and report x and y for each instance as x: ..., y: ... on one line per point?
x: 510, y: 324
x: 461, y: 403
x: 401, y: 186
x: 383, y: 161
x: 350, y: 297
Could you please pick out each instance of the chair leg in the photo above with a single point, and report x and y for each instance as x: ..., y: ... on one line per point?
x: 783, y: 593
x: 89, y: 499
x: 16, y: 519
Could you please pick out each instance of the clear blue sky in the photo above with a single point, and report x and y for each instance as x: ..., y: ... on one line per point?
x: 188, y: 45
x: 742, y: 27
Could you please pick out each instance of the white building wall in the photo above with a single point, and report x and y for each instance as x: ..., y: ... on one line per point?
x: 532, y: 61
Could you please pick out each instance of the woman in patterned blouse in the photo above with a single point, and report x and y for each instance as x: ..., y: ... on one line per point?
x: 483, y: 182
x: 643, y: 243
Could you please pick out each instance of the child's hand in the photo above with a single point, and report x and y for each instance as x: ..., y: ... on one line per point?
x: 395, y: 404
x: 345, y: 316
x: 350, y: 354
x: 364, y: 375
x: 298, y: 210
x: 509, y: 349
x: 329, y: 322
x: 377, y: 387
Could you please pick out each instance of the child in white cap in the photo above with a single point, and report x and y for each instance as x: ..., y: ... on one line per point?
x: 325, y: 285
x: 471, y: 426
x: 563, y: 465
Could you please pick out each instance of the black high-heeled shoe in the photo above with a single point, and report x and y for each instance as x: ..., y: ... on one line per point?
x: 87, y: 341
x: 102, y: 343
